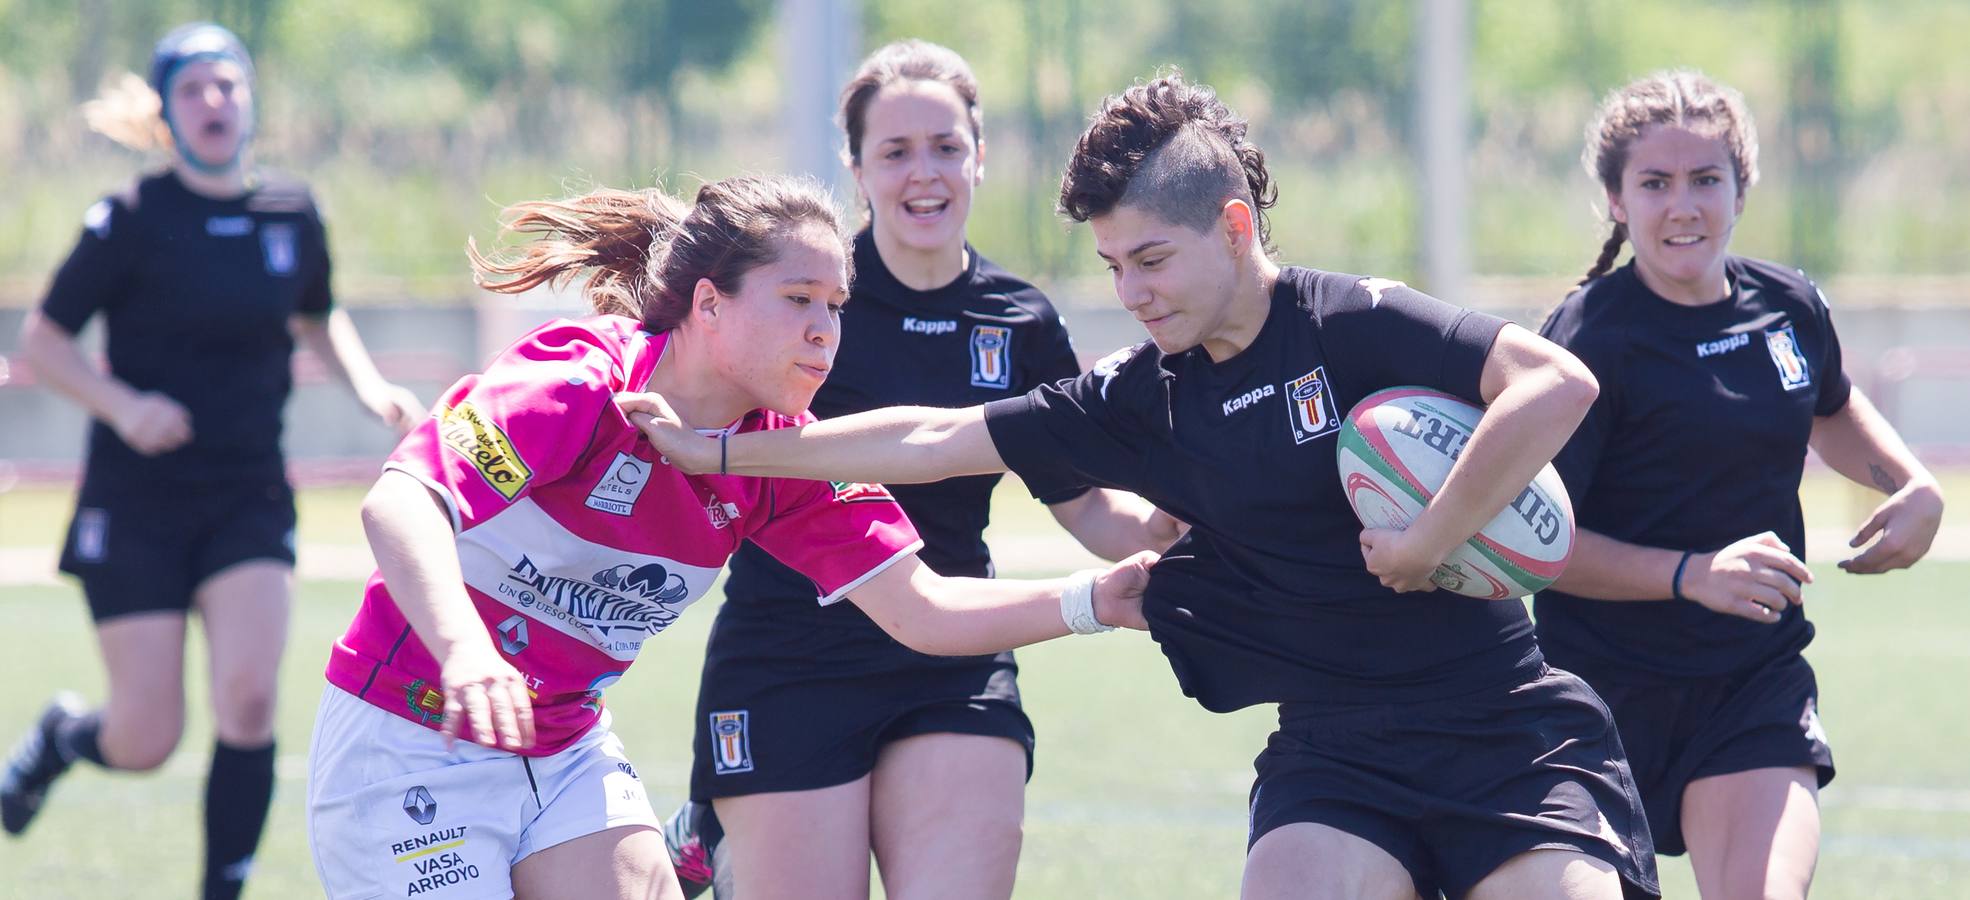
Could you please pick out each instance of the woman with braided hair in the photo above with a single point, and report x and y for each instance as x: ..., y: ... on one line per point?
x: 1682, y: 603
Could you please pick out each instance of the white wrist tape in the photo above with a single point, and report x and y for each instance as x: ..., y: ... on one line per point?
x: 1077, y: 604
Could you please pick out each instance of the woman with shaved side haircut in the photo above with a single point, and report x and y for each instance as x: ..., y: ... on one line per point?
x: 1682, y: 605
x: 1424, y: 746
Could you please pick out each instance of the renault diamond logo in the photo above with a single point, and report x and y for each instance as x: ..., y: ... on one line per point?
x: 419, y: 806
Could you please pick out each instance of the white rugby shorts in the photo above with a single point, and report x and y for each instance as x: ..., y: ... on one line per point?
x: 392, y: 813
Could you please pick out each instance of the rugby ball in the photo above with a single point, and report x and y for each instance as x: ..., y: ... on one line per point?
x: 1396, y: 450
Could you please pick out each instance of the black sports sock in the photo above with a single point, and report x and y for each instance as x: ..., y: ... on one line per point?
x: 237, y: 795
x: 78, y: 738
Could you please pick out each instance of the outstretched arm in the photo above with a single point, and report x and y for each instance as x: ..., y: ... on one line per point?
x: 896, y: 445
x: 970, y: 616
x: 1114, y: 524
x: 1860, y: 444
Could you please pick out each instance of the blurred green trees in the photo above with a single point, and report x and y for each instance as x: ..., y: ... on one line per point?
x: 417, y: 120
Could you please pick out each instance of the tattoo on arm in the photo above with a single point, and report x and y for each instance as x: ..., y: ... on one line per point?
x: 1882, y: 479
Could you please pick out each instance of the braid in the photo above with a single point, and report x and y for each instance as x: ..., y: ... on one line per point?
x: 1609, y: 251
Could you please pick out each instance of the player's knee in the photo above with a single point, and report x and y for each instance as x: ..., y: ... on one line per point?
x: 243, y: 707
x: 143, y: 750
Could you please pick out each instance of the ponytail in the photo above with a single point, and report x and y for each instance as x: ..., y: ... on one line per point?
x: 1609, y: 251
x: 128, y: 112
x: 608, y: 233
x: 645, y: 251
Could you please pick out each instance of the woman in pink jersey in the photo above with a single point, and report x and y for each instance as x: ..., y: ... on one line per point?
x: 529, y: 540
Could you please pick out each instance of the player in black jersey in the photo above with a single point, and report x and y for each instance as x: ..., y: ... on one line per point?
x: 1424, y: 746
x: 206, y: 275
x: 1682, y: 602
x: 853, y: 743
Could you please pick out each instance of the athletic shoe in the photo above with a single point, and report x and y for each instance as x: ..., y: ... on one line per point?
x: 690, y: 847
x: 35, y: 764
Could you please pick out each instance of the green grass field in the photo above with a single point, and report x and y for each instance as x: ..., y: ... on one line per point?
x: 1139, y: 793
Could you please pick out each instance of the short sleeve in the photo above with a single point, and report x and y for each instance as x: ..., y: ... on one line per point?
x: 317, y: 297
x: 1090, y: 430
x: 1834, y: 385
x: 1388, y: 334
x: 526, y: 422
x: 97, y: 270
x: 838, y: 534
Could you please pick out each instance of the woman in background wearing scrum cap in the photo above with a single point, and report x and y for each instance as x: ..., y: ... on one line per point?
x: 1682, y: 604
x: 206, y: 275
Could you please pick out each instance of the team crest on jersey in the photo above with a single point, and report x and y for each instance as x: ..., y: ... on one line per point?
x: 857, y: 492
x: 277, y: 243
x: 424, y: 701
x: 991, y: 356
x: 91, y: 534
x: 1793, y: 373
x: 731, y: 744
x: 1310, y: 406
x: 619, y: 486
x: 464, y: 429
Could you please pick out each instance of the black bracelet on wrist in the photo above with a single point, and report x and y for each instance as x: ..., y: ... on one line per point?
x: 1676, y: 583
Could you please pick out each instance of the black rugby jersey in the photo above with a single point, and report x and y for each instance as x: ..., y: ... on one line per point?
x: 1267, y: 598
x: 1698, y: 439
x: 986, y: 335
x: 195, y: 295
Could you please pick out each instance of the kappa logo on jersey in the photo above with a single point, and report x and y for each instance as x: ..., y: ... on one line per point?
x: 720, y: 513
x: 1248, y: 398
x: 1722, y: 345
x: 621, y: 484
x: 915, y: 325
x: 96, y: 218
x: 1310, y: 406
x: 464, y: 429
x: 1793, y: 373
x: 1375, y: 288
x: 1809, y: 723
x: 731, y: 744
x: 857, y: 492
x: 1108, y: 366
x: 277, y: 242
x: 991, y: 356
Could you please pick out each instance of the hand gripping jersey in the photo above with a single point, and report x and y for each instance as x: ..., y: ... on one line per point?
x: 578, y: 544
x: 1698, y: 439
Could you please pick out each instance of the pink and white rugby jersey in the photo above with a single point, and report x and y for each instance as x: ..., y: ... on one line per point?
x: 578, y: 544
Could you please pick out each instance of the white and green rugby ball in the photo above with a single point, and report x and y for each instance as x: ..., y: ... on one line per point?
x: 1396, y: 450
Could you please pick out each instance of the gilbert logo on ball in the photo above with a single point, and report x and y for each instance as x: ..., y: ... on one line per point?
x: 1396, y: 450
